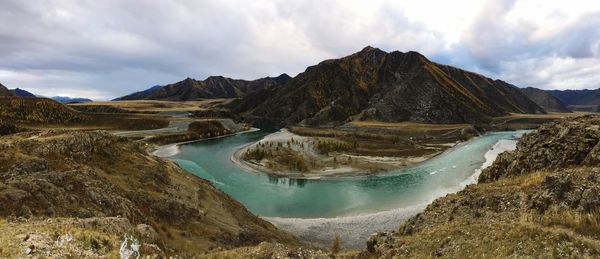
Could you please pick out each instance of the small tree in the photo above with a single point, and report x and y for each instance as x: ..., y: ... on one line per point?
x: 336, y: 247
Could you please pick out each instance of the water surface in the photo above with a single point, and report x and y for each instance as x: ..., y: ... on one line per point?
x: 295, y: 198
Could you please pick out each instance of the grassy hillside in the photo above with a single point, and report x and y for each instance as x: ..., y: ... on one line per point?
x: 43, y: 113
x: 58, y: 174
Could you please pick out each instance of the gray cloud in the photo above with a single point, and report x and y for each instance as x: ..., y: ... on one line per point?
x: 105, y: 49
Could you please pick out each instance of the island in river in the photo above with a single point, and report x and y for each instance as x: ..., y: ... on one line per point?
x: 358, y: 148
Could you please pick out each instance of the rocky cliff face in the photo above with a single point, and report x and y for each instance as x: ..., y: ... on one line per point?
x: 213, y: 87
x: 541, y: 200
x: 61, y: 174
x: 391, y: 87
x: 545, y: 100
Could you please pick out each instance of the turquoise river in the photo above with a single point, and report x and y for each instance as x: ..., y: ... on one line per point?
x: 341, y: 197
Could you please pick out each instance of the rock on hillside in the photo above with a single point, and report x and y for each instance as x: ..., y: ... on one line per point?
x: 212, y: 87
x: 392, y: 87
x: 96, y: 174
x: 560, y: 144
x: 545, y: 100
x: 539, y: 201
x: 4, y: 91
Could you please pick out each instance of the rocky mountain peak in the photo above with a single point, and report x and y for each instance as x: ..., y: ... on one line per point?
x: 214, y: 78
x: 375, y: 85
x: 369, y: 48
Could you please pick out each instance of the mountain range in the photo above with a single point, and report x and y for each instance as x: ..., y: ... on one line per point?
x: 66, y: 99
x: 210, y: 88
x: 392, y: 87
x: 579, y: 100
x: 369, y: 85
x: 24, y: 93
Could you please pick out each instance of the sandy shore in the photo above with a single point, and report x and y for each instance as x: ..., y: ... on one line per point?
x: 389, y: 163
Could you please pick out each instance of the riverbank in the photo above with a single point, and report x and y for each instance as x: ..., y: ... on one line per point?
x: 354, y: 231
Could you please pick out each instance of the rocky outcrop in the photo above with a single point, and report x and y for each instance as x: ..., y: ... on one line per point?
x: 95, y: 174
x: 545, y: 100
x: 392, y: 87
x: 561, y: 144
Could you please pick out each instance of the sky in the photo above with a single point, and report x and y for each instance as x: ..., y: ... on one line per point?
x: 105, y: 49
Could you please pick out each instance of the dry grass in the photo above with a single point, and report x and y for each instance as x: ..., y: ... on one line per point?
x: 580, y: 222
x: 155, y: 105
x: 48, y: 238
x: 553, y: 115
x: 407, y: 125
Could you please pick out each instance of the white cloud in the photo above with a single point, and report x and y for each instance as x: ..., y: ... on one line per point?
x: 110, y: 48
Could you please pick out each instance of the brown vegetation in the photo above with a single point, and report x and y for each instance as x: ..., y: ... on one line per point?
x: 95, y: 174
x: 47, y: 113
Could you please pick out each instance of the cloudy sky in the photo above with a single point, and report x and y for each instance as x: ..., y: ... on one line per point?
x: 104, y: 49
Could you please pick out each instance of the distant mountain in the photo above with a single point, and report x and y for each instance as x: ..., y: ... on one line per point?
x: 65, y: 99
x: 212, y: 87
x: 21, y: 93
x: 545, y: 100
x: 140, y: 94
x: 392, y: 87
x: 579, y: 100
x: 578, y: 97
x: 4, y: 91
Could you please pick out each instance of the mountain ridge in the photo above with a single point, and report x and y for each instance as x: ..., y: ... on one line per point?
x: 376, y: 85
x: 66, y: 99
x: 212, y: 87
x: 21, y: 93
x: 587, y: 100
x: 545, y: 99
